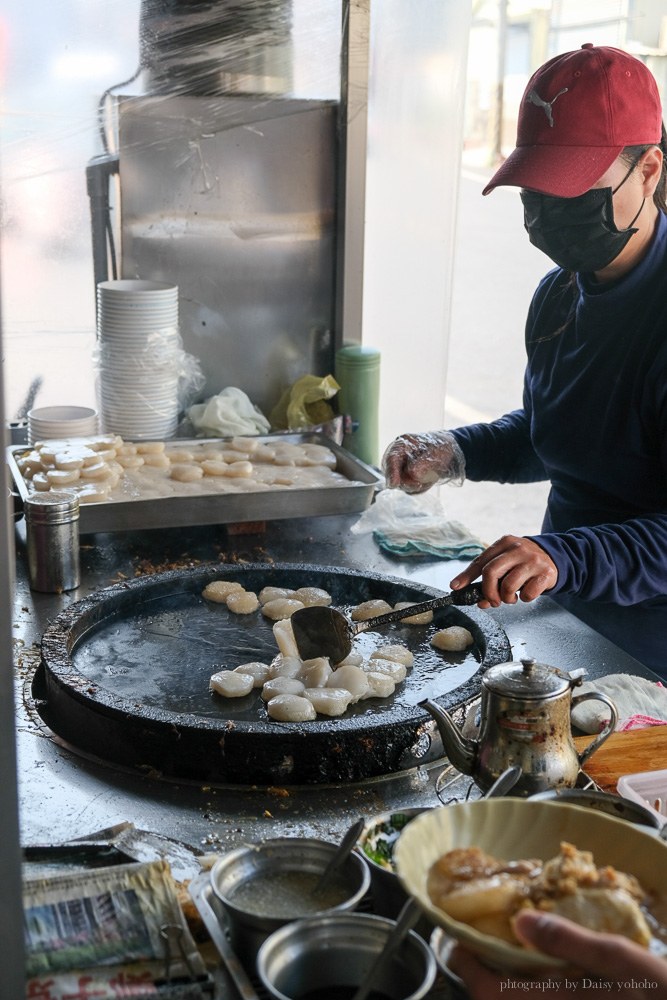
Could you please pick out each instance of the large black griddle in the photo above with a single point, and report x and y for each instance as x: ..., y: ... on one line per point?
x: 125, y: 677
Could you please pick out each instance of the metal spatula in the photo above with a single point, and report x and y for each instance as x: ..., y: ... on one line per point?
x: 320, y: 631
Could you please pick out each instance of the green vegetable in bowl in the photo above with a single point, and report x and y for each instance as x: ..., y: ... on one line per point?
x: 379, y: 842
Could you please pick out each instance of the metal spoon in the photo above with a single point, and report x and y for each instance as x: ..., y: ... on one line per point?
x: 343, y: 851
x: 504, y: 782
x: 406, y: 920
x: 321, y: 631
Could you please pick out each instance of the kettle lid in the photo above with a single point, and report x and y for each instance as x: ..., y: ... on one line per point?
x: 526, y: 679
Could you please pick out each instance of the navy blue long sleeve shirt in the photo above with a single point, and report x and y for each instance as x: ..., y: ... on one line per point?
x: 594, y: 423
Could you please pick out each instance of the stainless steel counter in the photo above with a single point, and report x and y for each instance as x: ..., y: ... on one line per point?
x: 64, y: 795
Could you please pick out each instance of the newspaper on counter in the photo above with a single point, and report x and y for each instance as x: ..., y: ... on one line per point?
x: 107, y: 933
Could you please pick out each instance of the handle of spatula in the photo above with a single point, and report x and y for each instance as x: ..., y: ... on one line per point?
x: 465, y: 597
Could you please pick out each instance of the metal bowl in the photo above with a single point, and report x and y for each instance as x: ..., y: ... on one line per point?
x: 271, y: 860
x: 308, y: 958
x: 442, y: 946
x: 606, y: 802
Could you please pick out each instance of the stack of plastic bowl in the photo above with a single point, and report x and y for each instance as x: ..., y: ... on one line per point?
x: 139, y: 356
x: 50, y: 423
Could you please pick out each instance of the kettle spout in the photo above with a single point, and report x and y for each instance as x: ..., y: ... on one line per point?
x: 461, y: 751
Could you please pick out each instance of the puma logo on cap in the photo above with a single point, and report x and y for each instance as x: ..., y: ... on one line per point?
x: 534, y: 98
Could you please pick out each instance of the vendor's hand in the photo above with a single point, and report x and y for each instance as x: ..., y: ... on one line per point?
x: 415, y: 462
x: 511, y: 566
x: 634, y: 973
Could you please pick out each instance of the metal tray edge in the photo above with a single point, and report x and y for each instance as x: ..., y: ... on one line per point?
x: 209, y: 508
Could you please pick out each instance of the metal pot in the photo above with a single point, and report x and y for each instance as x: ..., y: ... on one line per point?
x: 306, y: 959
x: 248, y: 928
x: 525, y: 721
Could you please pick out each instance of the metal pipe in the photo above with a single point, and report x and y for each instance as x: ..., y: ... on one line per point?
x: 11, y: 903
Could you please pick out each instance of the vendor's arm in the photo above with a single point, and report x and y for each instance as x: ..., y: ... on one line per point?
x: 510, y: 569
x: 500, y: 451
x: 615, y: 563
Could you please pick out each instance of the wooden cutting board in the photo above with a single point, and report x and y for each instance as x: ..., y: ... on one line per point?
x: 625, y: 753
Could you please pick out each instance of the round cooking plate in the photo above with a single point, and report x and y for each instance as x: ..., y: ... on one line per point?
x: 126, y: 676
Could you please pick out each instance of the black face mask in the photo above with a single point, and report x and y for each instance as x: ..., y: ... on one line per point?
x: 579, y: 234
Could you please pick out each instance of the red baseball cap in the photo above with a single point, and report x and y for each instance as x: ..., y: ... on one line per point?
x: 578, y: 112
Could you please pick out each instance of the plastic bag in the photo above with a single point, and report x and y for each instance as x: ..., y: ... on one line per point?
x: 228, y: 414
x: 305, y: 404
x: 414, y: 525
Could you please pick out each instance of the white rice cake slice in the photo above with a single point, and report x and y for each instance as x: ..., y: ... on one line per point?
x: 291, y: 708
x: 282, y: 685
x: 456, y: 638
x: 379, y: 686
x: 350, y: 677
x: 283, y: 607
x: 242, y: 602
x: 230, y: 684
x: 315, y: 673
x: 285, y: 666
x: 424, y: 619
x: 219, y: 590
x: 274, y: 593
x: 313, y: 597
x: 355, y: 659
x: 258, y: 671
x: 284, y: 636
x: 394, y: 652
x: 328, y: 701
x: 369, y: 609
x: 392, y: 668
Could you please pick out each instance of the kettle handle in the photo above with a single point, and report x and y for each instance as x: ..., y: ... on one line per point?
x: 608, y: 729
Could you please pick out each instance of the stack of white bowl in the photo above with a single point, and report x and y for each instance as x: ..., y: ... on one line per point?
x: 50, y: 423
x: 139, y: 356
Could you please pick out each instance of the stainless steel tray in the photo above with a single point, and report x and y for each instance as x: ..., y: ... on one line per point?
x: 207, y: 508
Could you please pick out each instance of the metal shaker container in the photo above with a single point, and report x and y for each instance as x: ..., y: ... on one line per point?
x: 52, y: 533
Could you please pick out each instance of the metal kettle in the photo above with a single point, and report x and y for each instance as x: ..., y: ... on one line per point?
x: 525, y: 721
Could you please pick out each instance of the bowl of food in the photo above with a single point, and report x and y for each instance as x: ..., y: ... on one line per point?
x: 376, y: 842
x: 266, y: 885
x: 328, y: 956
x: 473, y: 865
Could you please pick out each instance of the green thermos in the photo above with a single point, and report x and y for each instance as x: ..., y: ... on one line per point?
x: 358, y: 375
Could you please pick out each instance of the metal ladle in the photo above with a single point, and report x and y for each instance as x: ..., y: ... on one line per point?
x: 406, y: 920
x: 321, y: 631
x: 343, y: 850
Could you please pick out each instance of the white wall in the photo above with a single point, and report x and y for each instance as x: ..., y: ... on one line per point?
x: 415, y: 128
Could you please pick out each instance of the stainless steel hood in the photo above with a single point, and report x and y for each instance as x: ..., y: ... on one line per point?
x: 234, y: 199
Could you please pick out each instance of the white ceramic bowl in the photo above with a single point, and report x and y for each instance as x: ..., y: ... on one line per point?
x: 136, y: 286
x: 510, y: 829
x: 48, y: 423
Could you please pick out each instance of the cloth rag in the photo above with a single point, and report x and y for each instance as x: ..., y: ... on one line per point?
x: 416, y: 525
x: 639, y: 703
x: 229, y: 413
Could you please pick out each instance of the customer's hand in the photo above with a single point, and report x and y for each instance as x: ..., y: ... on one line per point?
x: 511, y: 568
x: 415, y: 462
x: 593, y: 959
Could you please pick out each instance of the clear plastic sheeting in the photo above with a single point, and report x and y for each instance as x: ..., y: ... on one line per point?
x: 68, y: 67
x: 417, y: 526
